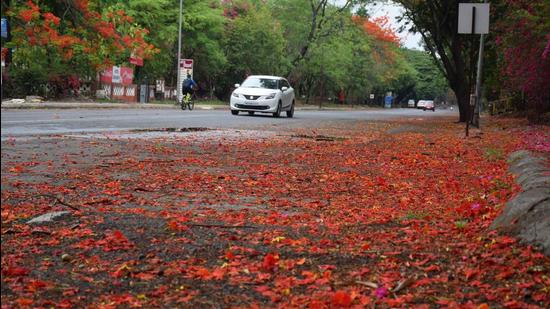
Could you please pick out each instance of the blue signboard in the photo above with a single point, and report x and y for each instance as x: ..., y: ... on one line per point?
x: 387, y: 101
x: 4, y: 28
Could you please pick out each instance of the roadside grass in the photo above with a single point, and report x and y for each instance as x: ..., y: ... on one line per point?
x: 461, y: 224
x: 500, y: 185
x: 415, y: 215
x: 105, y: 100
x: 493, y: 154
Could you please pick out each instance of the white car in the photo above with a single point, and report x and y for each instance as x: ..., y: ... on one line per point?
x: 264, y: 94
x: 421, y: 104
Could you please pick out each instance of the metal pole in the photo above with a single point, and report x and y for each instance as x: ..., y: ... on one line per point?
x: 178, y: 85
x: 470, y: 112
x: 477, y: 107
x: 478, y: 81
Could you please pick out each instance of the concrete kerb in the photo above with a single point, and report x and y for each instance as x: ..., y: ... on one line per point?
x: 527, y: 215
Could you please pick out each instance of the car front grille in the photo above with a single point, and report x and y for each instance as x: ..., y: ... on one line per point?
x: 251, y: 97
x: 256, y: 107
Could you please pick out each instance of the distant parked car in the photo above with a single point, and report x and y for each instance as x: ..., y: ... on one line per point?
x: 264, y: 94
x: 410, y: 103
x: 421, y: 104
x: 429, y: 105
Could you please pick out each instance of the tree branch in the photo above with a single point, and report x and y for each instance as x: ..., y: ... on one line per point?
x: 60, y: 201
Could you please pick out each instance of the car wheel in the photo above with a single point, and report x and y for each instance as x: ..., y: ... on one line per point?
x: 277, y: 114
x: 234, y: 112
x: 251, y: 113
x: 290, y: 113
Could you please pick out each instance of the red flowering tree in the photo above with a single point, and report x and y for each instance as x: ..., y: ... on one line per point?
x: 385, y: 40
x: 65, y: 41
x: 378, y: 27
x: 523, y: 45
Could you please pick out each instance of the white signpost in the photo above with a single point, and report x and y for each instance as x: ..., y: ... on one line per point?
x: 473, y: 18
x: 185, y: 67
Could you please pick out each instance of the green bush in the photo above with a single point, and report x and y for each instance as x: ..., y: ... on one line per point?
x: 21, y: 82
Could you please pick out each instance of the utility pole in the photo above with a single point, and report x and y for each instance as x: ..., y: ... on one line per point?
x: 178, y: 69
x: 473, y: 18
x: 477, y: 108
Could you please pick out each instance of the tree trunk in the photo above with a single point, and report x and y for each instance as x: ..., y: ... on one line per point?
x: 322, y: 91
x: 309, y: 84
x: 463, y: 100
x: 211, y: 90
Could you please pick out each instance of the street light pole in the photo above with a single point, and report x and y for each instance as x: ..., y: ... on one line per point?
x: 178, y: 69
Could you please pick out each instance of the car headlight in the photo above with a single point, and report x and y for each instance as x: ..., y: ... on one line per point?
x: 236, y: 95
x: 271, y: 96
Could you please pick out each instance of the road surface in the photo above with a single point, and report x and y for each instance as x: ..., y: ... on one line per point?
x: 16, y: 123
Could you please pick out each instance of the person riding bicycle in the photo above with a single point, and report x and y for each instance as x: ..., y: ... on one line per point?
x: 187, y: 88
x: 188, y: 85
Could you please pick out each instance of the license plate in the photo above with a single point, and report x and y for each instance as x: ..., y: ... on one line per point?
x: 251, y: 102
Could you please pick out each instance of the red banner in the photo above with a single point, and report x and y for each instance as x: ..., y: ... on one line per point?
x: 186, y: 63
x: 137, y: 61
x: 126, y: 74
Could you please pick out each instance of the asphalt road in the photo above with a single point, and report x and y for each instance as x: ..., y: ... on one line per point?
x: 17, y: 123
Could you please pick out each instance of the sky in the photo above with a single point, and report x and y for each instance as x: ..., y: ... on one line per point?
x: 409, y: 40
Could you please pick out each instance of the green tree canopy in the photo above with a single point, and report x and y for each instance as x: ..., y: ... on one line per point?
x: 254, y: 44
x: 429, y: 82
x: 321, y: 46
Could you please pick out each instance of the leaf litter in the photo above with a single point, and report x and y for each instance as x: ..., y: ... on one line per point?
x: 369, y: 220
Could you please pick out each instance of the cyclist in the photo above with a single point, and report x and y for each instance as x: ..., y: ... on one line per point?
x: 188, y: 85
x: 187, y: 89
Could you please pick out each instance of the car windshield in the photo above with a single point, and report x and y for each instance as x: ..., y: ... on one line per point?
x: 254, y: 82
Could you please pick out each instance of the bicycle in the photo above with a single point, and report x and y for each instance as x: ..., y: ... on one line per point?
x: 187, y: 101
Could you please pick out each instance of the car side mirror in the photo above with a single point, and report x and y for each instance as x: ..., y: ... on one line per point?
x: 237, y: 85
x: 284, y: 89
